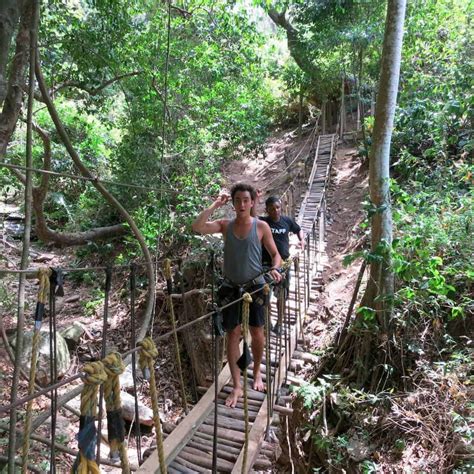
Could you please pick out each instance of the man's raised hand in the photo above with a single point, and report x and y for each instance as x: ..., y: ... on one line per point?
x: 221, y: 201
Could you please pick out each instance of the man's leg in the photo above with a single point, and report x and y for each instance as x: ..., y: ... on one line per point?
x: 233, y: 354
x: 258, y: 342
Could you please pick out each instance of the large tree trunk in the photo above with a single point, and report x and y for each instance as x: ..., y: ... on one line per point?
x: 299, y: 50
x: 65, y: 239
x: 380, y: 288
x: 367, y: 352
x: 342, y: 112
x: 323, y: 117
x: 9, y: 16
x: 379, y: 292
x: 13, y: 99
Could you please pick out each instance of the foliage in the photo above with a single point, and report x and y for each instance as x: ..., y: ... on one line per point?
x: 435, y: 118
x: 118, y: 89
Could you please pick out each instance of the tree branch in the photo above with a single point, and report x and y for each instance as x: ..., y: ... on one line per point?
x: 94, y: 90
x: 109, y: 198
x: 296, y: 45
x: 16, y: 83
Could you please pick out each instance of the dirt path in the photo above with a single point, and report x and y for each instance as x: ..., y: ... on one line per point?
x: 347, y: 190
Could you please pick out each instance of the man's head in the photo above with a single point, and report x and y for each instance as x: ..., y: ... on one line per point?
x: 273, y: 208
x: 243, y: 198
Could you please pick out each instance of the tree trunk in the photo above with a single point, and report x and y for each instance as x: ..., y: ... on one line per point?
x: 9, y: 16
x: 300, y: 112
x: 323, y: 117
x: 329, y: 119
x: 298, y: 49
x: 13, y: 100
x: 342, y: 112
x: 380, y: 287
x: 379, y: 292
x: 366, y: 353
x: 65, y: 239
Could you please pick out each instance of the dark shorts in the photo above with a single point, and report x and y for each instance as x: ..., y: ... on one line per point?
x: 232, y: 316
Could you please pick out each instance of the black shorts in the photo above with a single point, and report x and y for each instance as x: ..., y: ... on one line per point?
x: 232, y: 315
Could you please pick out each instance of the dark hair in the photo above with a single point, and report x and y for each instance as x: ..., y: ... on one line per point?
x: 271, y: 200
x: 243, y: 187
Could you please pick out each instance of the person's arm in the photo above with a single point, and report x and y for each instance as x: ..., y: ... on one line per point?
x: 296, y: 229
x: 269, y: 244
x: 202, y: 225
x: 300, y: 235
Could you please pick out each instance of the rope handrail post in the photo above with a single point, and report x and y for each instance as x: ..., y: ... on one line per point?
x: 87, y: 437
x: 56, y: 288
x: 268, y: 361
x: 169, y: 287
x: 185, y: 314
x: 133, y: 344
x: 247, y: 299
x: 308, y: 269
x: 114, y: 367
x: 215, y: 371
x: 298, y: 305
x: 43, y: 294
x: 105, y: 318
x: 314, y: 250
x: 148, y: 354
x: 304, y: 276
x: 287, y: 333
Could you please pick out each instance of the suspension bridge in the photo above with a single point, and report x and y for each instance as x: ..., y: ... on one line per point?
x: 212, y: 437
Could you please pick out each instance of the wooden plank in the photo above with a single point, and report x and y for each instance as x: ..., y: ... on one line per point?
x: 255, y: 436
x: 185, y: 430
x: 197, y: 457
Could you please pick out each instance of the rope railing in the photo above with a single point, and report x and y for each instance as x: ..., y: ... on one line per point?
x: 83, y: 178
x: 161, y: 337
x: 84, y: 375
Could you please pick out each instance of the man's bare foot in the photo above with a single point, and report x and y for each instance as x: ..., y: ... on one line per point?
x: 258, y: 384
x: 233, y: 397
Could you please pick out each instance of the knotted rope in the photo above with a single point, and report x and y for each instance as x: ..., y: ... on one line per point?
x: 87, y: 438
x: 167, y: 273
x: 114, y: 366
x: 43, y: 294
x: 246, y: 300
x: 146, y: 362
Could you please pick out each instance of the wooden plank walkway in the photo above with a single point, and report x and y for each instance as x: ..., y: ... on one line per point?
x: 189, y: 447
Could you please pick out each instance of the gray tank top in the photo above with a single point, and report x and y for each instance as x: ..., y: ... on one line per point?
x: 243, y: 257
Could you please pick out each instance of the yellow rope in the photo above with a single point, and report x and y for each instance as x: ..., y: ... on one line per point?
x: 146, y: 362
x: 85, y: 462
x: 43, y: 293
x: 114, y: 366
x: 167, y: 273
x: 246, y: 299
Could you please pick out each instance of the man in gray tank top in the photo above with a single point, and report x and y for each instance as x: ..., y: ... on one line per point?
x: 243, y: 240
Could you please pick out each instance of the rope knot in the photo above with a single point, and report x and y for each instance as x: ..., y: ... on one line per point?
x: 247, y: 298
x: 113, y: 364
x: 167, y: 269
x: 148, y: 354
x: 43, y: 276
x: 266, y: 289
x: 95, y: 373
